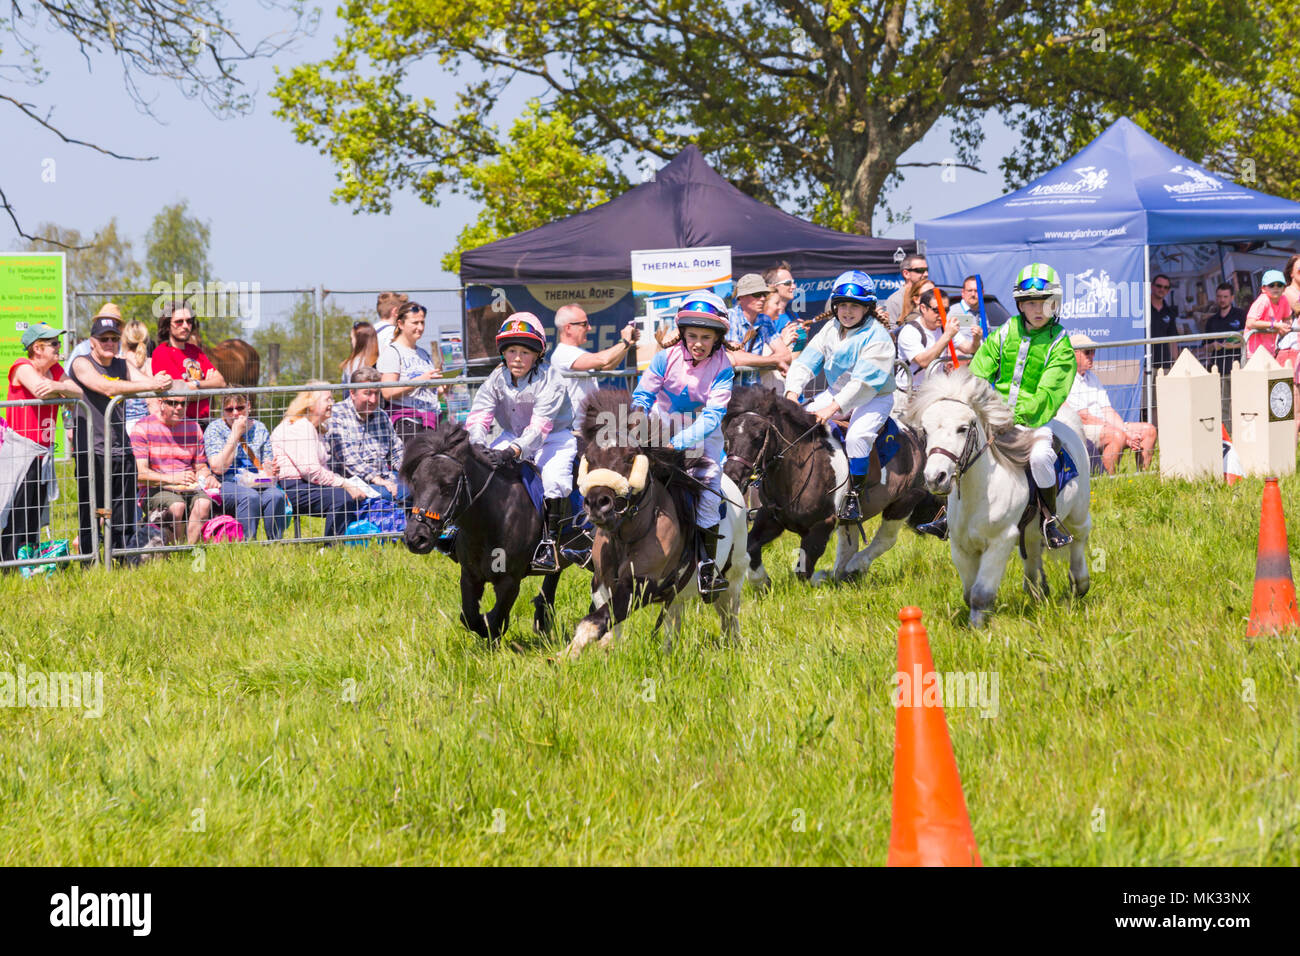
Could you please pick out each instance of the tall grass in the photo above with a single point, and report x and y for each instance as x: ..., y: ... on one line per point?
x: 280, y: 705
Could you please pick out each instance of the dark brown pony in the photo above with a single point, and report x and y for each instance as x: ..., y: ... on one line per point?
x: 643, y: 506
x: 238, y: 363
x: 452, y: 481
x: 803, y: 474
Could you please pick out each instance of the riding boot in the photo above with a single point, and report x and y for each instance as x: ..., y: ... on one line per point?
x: 1057, y: 536
x: 711, y: 580
x: 938, y: 527
x: 546, y: 558
x: 445, y: 543
x: 578, y: 550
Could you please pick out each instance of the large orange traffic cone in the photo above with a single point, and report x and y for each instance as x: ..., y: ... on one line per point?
x: 1273, y: 607
x: 930, y: 826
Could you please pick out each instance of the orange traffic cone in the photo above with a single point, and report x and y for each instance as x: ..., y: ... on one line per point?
x: 930, y: 825
x: 1273, y: 606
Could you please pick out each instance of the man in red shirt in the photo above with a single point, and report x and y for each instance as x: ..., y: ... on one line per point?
x: 179, y: 356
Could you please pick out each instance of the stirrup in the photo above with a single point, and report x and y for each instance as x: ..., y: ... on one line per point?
x: 851, y: 509
x: 938, y: 527
x: 708, y: 579
x: 1055, y: 535
x: 546, y: 558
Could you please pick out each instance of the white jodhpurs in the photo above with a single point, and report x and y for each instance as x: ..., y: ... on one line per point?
x: 554, y: 461
x: 1042, y: 457
x: 865, y: 423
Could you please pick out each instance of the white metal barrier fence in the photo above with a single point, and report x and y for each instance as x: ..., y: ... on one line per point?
x: 264, y: 505
x: 48, y: 513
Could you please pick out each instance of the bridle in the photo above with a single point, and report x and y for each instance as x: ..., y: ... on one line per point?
x: 758, y: 467
x: 969, y: 453
x: 433, y: 518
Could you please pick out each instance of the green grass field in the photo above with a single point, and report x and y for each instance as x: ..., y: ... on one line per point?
x: 277, y: 705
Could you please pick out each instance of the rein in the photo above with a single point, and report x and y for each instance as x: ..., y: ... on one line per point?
x: 969, y: 454
x: 462, y: 484
x: 758, y: 467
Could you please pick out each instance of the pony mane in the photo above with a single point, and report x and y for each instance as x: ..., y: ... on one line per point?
x: 609, y: 413
x: 789, y: 417
x: 449, y: 438
x: 1008, y: 444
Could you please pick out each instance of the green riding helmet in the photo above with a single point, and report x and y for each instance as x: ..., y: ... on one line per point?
x: 1039, y: 281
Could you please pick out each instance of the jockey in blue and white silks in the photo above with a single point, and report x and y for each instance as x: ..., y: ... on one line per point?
x: 857, y: 354
x: 692, y: 380
x: 529, y: 399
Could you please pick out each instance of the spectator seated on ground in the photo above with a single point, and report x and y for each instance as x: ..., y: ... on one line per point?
x: 1102, y: 425
x: 239, y: 453
x: 301, y: 455
x: 363, y: 443
x: 172, y: 468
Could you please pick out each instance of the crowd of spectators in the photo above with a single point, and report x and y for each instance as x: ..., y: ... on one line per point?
x: 174, y: 463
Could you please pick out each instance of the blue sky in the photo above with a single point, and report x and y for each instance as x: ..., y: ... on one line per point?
x: 267, y: 197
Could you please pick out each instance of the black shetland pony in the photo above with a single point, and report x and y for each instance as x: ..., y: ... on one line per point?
x: 643, y: 506
x: 451, y: 481
x: 803, y: 476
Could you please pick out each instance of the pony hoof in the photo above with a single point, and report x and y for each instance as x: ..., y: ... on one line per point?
x: 818, y: 579
x: 1080, y: 588
x: 979, y: 619
x: 606, y: 640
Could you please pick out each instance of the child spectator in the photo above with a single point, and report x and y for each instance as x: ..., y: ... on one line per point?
x: 364, y: 354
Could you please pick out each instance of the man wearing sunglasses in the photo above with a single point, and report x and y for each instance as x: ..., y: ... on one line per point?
x: 1030, y: 362
x: 570, y: 355
x: 179, y: 355
x: 102, y: 374
x: 915, y: 268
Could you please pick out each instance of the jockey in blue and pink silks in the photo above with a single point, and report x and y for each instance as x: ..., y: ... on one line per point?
x: 693, y: 378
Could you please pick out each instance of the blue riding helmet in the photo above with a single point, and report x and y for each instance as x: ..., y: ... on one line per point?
x: 856, y: 287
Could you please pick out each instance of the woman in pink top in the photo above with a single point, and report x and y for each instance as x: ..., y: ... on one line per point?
x: 1269, y: 315
x: 302, y: 456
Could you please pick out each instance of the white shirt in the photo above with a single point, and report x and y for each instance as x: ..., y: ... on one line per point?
x: 1087, y: 394
x: 578, y: 388
x: 384, y: 335
x: 409, y: 364
x: 912, y: 343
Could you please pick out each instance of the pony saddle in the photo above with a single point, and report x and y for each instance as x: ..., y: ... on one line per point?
x: 882, y: 452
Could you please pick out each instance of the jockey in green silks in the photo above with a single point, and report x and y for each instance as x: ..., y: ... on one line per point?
x: 1030, y: 362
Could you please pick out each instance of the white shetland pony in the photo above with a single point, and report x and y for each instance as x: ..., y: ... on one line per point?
x: 977, y: 458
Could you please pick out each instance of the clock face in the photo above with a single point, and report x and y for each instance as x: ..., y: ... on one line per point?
x: 1280, y: 400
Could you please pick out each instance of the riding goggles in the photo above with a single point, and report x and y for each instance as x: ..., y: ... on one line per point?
x: 851, y: 291
x: 700, y: 306
x: 1031, y: 285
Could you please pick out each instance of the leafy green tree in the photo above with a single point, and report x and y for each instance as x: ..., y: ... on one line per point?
x: 539, y: 175
x: 811, y: 104
x: 297, y: 339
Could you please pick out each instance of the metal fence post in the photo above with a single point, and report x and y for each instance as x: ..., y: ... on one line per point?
x: 320, y: 331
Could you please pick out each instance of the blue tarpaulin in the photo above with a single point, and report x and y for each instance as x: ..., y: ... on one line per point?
x: 1094, y: 219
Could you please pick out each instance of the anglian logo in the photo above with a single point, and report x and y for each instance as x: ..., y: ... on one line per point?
x: 1090, y: 180
x: 1089, y: 295
x: 1197, y: 181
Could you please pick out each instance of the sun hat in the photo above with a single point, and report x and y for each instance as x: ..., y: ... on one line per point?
x: 1271, y: 276
x: 752, y: 284
x: 109, y: 310
x: 1081, y: 341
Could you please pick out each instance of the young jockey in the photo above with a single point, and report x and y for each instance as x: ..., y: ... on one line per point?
x: 857, y: 354
x: 529, y: 399
x: 694, y: 376
x: 1030, y: 362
